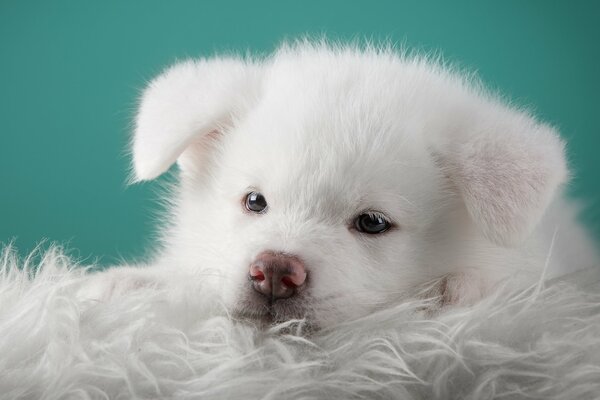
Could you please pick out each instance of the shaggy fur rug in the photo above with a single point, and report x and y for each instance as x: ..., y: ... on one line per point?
x: 178, y: 342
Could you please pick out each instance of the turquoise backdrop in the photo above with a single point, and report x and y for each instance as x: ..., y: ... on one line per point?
x: 70, y: 73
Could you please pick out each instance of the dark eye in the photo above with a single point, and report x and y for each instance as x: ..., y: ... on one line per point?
x: 371, y: 223
x: 256, y: 202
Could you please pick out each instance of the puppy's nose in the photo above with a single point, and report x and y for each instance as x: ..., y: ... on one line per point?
x: 277, y: 275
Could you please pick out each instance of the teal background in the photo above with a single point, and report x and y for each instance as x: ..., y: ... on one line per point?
x: 70, y: 73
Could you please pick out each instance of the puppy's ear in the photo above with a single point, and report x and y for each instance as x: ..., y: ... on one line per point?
x: 506, y: 170
x: 188, y: 103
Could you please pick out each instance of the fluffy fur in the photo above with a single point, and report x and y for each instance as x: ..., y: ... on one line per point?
x: 180, y: 342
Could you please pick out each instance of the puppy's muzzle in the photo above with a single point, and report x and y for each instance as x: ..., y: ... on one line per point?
x: 277, y: 275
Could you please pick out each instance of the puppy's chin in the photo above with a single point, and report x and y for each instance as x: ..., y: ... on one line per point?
x: 256, y: 308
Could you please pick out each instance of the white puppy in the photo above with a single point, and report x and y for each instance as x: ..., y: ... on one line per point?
x: 326, y: 182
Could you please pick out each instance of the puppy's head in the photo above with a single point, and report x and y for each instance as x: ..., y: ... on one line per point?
x: 324, y: 183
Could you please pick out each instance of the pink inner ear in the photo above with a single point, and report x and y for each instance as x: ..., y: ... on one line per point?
x: 213, y: 135
x: 195, y: 155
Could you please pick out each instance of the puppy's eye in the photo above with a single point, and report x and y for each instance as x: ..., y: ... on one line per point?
x: 372, y: 223
x: 256, y: 202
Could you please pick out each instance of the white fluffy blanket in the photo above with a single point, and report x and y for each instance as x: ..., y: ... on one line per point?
x: 543, y: 343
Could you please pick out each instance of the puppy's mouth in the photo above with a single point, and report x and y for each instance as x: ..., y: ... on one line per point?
x: 257, y: 308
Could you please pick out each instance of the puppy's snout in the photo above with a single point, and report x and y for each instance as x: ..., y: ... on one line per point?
x: 277, y: 275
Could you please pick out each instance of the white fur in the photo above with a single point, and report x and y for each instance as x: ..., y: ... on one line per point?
x: 179, y: 342
x: 326, y: 133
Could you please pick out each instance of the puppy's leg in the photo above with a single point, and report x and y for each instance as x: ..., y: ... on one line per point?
x: 456, y: 289
x: 114, y: 282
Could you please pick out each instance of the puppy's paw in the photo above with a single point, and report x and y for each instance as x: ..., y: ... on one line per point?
x: 106, y: 285
x: 457, y: 289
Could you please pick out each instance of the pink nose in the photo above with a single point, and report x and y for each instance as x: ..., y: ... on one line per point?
x: 277, y: 275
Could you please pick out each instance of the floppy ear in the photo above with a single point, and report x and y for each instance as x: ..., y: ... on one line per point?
x: 187, y: 103
x: 506, y: 170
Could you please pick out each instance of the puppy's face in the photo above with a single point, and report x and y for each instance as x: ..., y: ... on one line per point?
x: 324, y: 185
x: 337, y: 202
